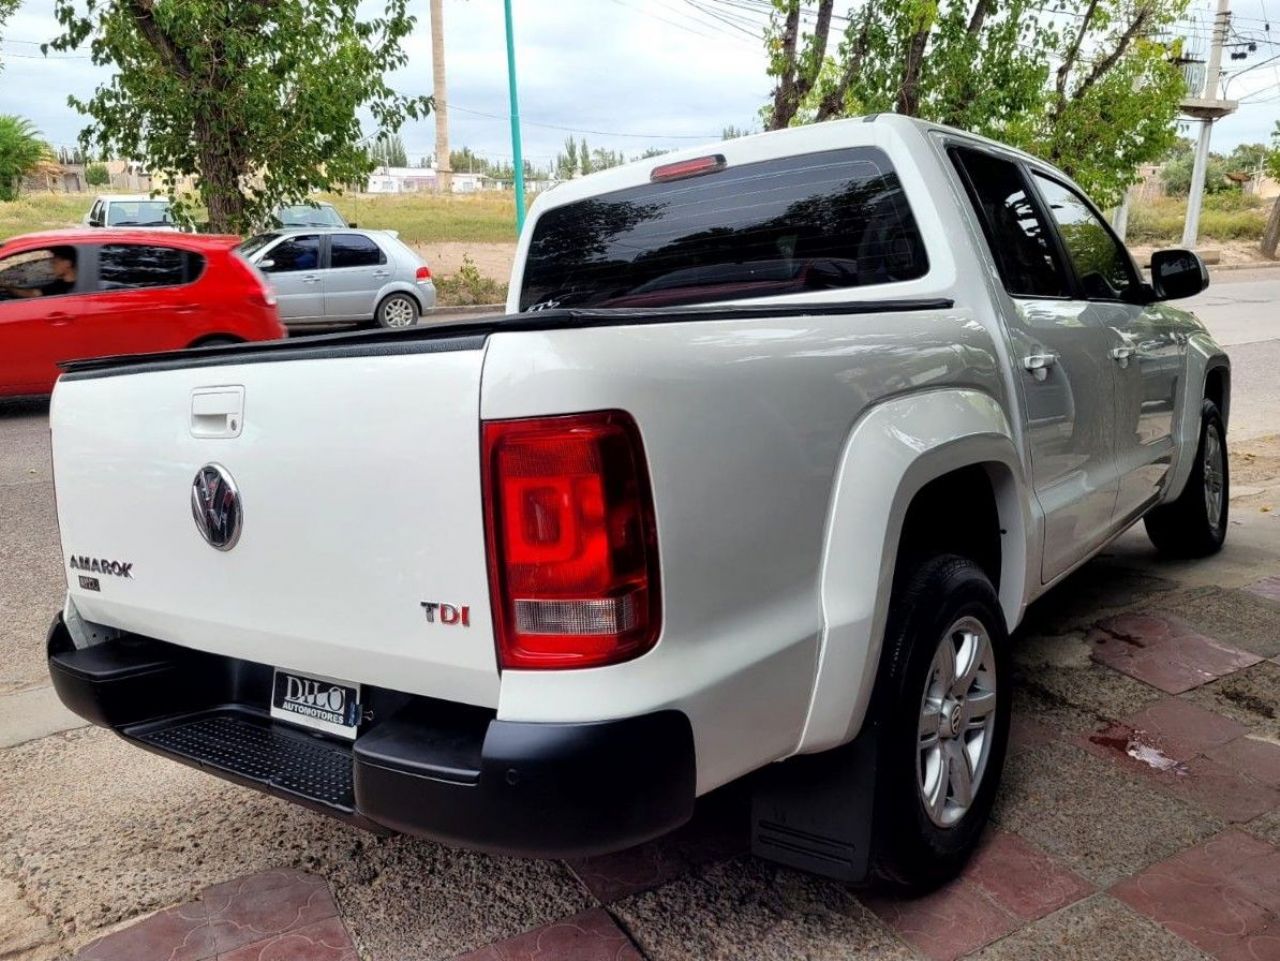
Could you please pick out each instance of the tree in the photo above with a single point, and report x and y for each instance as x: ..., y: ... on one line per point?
x: 96, y: 175
x: 733, y: 133
x: 388, y: 151
x: 22, y: 152
x: 1079, y: 82
x: 257, y: 101
x: 566, y: 162
x: 1271, y: 235
x: 1175, y: 175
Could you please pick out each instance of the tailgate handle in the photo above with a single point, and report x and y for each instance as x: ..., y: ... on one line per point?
x: 217, y: 411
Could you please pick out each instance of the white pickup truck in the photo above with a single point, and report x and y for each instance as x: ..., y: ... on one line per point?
x: 772, y: 449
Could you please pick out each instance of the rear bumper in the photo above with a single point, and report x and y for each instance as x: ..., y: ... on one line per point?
x: 430, y: 768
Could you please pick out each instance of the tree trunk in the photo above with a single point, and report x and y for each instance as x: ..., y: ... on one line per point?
x: 913, y: 63
x: 220, y: 172
x: 1271, y: 236
x: 785, y: 100
x: 444, y: 167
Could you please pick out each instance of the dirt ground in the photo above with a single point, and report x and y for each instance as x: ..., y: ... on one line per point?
x: 492, y: 260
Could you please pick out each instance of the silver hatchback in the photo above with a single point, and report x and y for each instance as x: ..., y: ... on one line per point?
x: 329, y: 276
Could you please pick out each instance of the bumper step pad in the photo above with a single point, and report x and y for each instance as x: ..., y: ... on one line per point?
x: 260, y: 752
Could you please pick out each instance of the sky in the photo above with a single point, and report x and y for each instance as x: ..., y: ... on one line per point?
x: 624, y: 74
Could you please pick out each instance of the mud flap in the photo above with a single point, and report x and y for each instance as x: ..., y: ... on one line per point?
x: 814, y: 812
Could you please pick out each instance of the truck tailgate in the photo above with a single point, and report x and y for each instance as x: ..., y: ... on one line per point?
x: 359, y: 479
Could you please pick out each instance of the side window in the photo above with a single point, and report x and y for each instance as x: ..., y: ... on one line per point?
x: 1102, y: 265
x: 48, y: 272
x: 293, y: 254
x: 1015, y: 231
x: 95, y: 215
x: 354, y: 250
x: 129, y: 266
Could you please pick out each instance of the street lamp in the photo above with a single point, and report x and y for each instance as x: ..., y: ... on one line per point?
x: 515, y: 121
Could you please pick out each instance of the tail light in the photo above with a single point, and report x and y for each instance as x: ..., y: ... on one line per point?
x: 573, y: 558
x: 424, y: 273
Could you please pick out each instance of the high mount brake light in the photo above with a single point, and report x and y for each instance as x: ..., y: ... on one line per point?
x: 573, y: 559
x: 688, y: 168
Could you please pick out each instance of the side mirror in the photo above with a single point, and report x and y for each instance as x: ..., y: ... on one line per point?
x: 1178, y: 273
x: 266, y: 264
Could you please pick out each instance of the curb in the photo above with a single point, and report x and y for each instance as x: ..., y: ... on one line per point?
x: 470, y: 309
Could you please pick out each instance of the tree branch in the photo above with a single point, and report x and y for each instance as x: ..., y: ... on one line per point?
x: 1073, y: 52
x: 980, y: 12
x: 912, y: 64
x: 143, y: 12
x: 832, y: 105
x: 1102, y: 67
x: 821, y: 30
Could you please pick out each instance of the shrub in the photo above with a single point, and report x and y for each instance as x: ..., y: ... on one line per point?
x: 468, y: 286
x: 96, y: 175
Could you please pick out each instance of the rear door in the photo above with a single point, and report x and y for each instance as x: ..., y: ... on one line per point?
x: 358, y: 268
x: 1146, y: 355
x: 293, y: 268
x: 1064, y: 372
x: 141, y: 300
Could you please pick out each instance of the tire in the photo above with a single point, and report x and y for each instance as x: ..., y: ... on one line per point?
x: 217, y: 342
x: 926, y: 826
x: 1195, y: 525
x: 397, y: 311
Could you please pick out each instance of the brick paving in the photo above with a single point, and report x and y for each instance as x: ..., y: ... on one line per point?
x: 1139, y: 819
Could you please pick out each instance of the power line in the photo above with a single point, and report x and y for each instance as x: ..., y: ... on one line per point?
x: 598, y: 133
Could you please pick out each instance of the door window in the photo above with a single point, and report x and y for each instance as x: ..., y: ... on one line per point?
x: 1015, y: 230
x: 293, y: 254
x: 48, y: 272
x: 1101, y: 263
x: 127, y: 266
x: 354, y: 250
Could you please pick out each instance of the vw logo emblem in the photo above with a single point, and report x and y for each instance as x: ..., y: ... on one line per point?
x: 215, y: 505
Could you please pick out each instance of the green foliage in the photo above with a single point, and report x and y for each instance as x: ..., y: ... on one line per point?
x: 1273, y: 157
x: 468, y: 287
x: 1176, y: 175
x: 21, y: 152
x: 733, y: 133
x: 577, y: 157
x: 257, y: 101
x: 1225, y: 216
x: 7, y: 7
x: 1077, y: 82
x: 388, y: 151
x: 96, y: 175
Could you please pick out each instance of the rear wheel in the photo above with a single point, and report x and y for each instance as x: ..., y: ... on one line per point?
x: 1195, y: 525
x: 941, y: 712
x: 217, y: 342
x: 397, y: 311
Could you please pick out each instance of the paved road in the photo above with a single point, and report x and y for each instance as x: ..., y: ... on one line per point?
x: 1241, y: 308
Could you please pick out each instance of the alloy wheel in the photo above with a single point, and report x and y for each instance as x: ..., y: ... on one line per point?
x: 957, y: 721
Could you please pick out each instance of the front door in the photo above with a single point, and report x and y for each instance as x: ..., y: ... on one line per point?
x: 1145, y: 353
x: 1062, y: 366
x: 292, y: 267
x: 36, y: 313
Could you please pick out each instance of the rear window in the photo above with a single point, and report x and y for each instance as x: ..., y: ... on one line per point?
x: 827, y: 220
x: 125, y: 266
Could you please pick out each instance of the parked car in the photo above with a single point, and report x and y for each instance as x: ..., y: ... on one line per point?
x: 135, y: 211
x: 325, y: 276
x: 90, y: 293
x: 316, y: 214
x: 620, y: 556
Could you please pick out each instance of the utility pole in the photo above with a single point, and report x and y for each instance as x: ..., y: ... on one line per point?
x: 515, y: 121
x: 444, y: 172
x: 1207, y: 109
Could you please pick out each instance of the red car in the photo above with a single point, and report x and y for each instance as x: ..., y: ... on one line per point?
x: 71, y: 294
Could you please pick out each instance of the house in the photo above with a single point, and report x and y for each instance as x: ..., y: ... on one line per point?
x: 405, y: 180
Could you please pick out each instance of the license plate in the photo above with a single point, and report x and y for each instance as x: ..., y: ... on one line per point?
x: 320, y: 703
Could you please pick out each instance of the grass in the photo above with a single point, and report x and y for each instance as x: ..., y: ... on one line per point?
x: 1225, y: 216
x: 420, y: 218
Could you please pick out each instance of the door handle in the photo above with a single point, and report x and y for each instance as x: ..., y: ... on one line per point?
x: 382, y: 273
x: 1039, y: 364
x: 313, y: 279
x: 1122, y: 354
x: 186, y: 308
x: 58, y: 318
